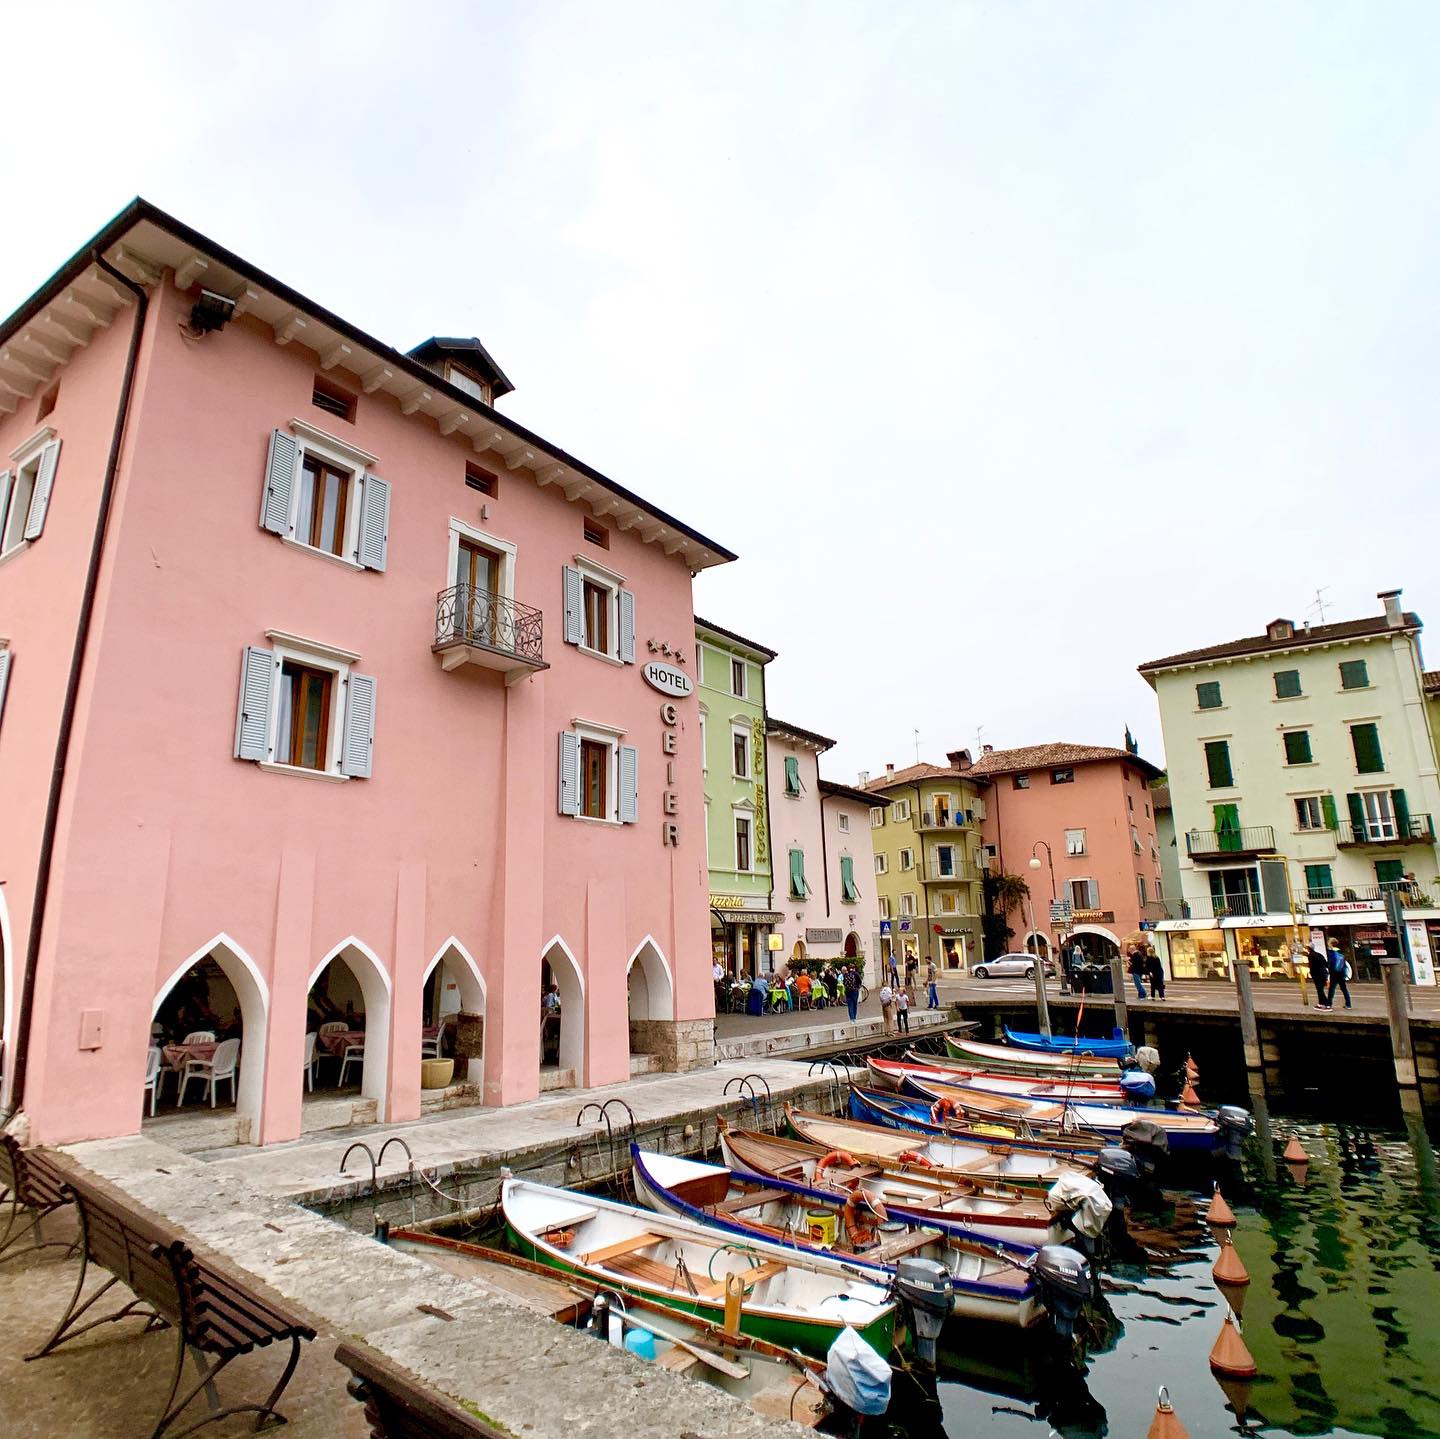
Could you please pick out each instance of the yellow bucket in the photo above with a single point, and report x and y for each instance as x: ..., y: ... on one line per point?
x: 821, y: 1224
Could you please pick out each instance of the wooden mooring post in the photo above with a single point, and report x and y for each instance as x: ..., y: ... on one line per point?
x: 1249, y: 1030
x: 1117, y: 983
x: 1397, y: 1005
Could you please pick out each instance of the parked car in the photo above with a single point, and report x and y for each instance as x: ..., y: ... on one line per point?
x: 1011, y: 966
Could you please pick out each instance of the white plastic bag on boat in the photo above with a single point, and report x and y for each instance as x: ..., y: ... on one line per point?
x: 1084, y: 1198
x: 856, y: 1375
x: 1148, y: 1058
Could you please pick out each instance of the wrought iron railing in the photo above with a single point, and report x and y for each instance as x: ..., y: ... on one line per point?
x: 958, y: 871
x: 474, y: 616
x: 954, y: 820
x: 1411, y: 892
x: 1417, y: 829
x: 1216, y: 843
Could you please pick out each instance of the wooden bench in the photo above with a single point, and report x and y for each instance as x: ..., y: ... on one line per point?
x: 31, y: 1187
x: 214, y: 1309
x: 400, y: 1406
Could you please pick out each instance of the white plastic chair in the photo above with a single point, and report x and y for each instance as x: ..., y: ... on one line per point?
x: 219, y: 1067
x: 354, y: 1054
x: 310, y: 1062
x: 152, y: 1077
x: 200, y: 1036
x: 430, y: 1048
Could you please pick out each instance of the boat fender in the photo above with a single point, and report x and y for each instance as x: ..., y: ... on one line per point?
x: 835, y: 1156
x: 913, y: 1156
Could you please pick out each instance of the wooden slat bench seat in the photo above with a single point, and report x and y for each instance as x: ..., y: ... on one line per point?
x: 398, y: 1405
x: 621, y: 1246
x: 664, y: 1276
x: 714, y: 1288
x: 214, y: 1309
x: 31, y: 1188
x: 741, y: 1202
x: 884, y: 1252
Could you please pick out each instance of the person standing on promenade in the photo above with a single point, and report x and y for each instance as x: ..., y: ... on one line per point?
x: 852, y: 991
x: 902, y: 1011
x: 887, y: 1007
x: 1339, y: 973
x: 1155, y: 970
x: 1137, y: 972
x: 932, y: 983
x: 1319, y: 977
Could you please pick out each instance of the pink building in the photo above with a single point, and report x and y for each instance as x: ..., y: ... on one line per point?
x: 1084, y: 811
x: 343, y: 678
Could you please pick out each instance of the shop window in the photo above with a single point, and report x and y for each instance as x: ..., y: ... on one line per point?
x: 1198, y: 954
x: 1297, y: 746
x: 1207, y: 695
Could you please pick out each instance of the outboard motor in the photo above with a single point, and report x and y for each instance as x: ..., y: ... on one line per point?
x: 1148, y: 1058
x: 1138, y: 1085
x: 1235, y: 1125
x: 1062, y: 1276
x: 923, y: 1287
x: 1148, y: 1143
x: 1119, y: 1172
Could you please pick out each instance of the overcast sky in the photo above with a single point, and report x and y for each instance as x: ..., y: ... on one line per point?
x: 1008, y: 344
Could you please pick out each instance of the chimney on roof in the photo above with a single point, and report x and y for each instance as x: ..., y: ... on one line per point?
x: 889, y: 771
x: 1394, y: 615
x: 987, y: 749
x: 1280, y: 630
x: 864, y: 778
x: 959, y: 758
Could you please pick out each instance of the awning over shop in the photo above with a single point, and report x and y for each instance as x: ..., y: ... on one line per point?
x: 746, y: 916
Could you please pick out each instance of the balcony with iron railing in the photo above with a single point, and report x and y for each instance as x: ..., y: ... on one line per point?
x: 1415, y: 829
x: 477, y: 627
x: 957, y: 871
x: 1222, y: 844
x: 1412, y: 894
x: 953, y: 820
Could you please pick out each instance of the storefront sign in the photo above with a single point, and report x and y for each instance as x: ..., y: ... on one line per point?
x: 822, y: 936
x: 668, y: 680
x: 1420, y: 954
x: 669, y: 742
x: 729, y: 901
x: 1345, y: 906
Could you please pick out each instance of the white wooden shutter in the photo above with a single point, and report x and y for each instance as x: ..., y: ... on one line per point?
x: 4, y: 499
x: 629, y: 784
x: 40, y: 496
x: 4, y: 674
x: 359, y: 739
x: 280, y: 467
x: 627, y: 627
x: 569, y: 773
x: 574, y: 607
x: 374, y: 523
x: 252, y: 719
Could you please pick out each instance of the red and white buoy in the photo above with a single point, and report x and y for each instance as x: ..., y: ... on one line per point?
x: 1166, y: 1423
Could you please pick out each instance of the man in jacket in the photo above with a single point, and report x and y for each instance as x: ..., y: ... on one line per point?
x: 1319, y: 977
x: 1339, y: 973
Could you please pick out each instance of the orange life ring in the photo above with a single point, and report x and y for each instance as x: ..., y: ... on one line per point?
x: 913, y: 1156
x: 835, y: 1156
x: 941, y: 1110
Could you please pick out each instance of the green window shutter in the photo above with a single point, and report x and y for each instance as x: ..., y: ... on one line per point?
x: 798, y: 888
x: 1227, y: 825
x: 848, y: 892
x: 1402, y: 813
x: 1365, y: 738
x: 1297, y: 746
x: 1327, y: 808
x: 792, y: 774
x: 1357, y: 815
x: 1207, y: 696
x: 1389, y: 871
x: 1354, y: 675
x: 1287, y: 684
x: 1319, y: 882
x: 1217, y: 764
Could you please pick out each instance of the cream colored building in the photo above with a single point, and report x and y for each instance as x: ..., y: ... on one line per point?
x: 1302, y: 775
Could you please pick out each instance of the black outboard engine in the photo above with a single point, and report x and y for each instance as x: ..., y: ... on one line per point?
x: 1235, y: 1125
x: 923, y: 1287
x: 1148, y: 1143
x: 1062, y: 1276
x: 1119, y: 1173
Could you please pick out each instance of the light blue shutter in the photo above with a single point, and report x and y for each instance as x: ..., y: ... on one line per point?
x: 252, y: 719
x: 4, y: 497
x: 280, y: 469
x: 359, y: 737
x: 374, y: 522
x: 627, y: 627
x: 4, y: 674
x: 40, y: 496
x: 569, y: 773
x: 574, y: 609
x: 629, y: 784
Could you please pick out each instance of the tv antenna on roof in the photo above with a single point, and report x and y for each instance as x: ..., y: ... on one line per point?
x: 1319, y: 603
x: 916, y: 733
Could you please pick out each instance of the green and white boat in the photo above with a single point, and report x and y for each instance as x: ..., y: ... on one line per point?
x: 1007, y: 1059
x: 800, y: 1301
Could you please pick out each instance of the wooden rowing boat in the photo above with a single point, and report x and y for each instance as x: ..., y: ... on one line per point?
x: 798, y: 1301
x: 989, y: 1279
x: 891, y: 1074
x: 1008, y: 1060
x: 908, y: 1188
x: 777, y: 1383
x: 1067, y: 1044
x: 926, y: 1116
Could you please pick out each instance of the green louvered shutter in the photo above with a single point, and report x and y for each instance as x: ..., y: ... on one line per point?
x: 1357, y: 816
x: 1319, y: 882
x: 798, y: 888
x: 848, y: 891
x: 1389, y: 871
x: 792, y: 774
x: 1297, y: 746
x: 1227, y: 826
x: 1217, y: 764
x: 1327, y: 808
x: 1365, y: 738
x: 1402, y: 813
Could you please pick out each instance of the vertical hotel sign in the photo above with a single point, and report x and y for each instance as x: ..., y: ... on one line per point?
x: 669, y: 680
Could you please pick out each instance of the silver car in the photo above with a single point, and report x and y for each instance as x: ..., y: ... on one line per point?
x: 1011, y: 966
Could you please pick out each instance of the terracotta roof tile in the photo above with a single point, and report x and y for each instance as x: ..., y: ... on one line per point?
x: 1053, y: 756
x: 912, y: 773
x: 1298, y: 639
x: 1432, y: 681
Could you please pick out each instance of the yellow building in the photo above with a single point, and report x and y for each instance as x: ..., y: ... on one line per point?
x: 927, y: 856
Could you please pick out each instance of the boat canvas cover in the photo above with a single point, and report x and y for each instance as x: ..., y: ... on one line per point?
x: 1086, y: 1201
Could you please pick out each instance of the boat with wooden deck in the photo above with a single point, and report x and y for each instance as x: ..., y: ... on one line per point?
x: 925, y: 1116
x: 1116, y: 1048
x: 910, y: 1188
x: 989, y: 1279
x: 777, y: 1383
x: 1009, y: 1060
x: 798, y: 1301
x: 891, y: 1073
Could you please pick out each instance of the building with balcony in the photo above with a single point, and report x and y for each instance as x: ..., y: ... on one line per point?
x: 927, y: 861
x: 326, y: 716
x: 824, y: 881
x: 731, y: 672
x: 1302, y: 774
x: 1084, y: 812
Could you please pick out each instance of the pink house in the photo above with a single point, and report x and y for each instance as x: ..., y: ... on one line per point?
x: 324, y: 697
x: 1085, y: 812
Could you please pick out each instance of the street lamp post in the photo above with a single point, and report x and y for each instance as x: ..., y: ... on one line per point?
x: 1042, y: 1004
x: 1058, y: 944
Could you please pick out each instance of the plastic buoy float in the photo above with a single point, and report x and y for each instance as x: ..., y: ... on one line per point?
x: 1192, y: 1070
x: 1295, y: 1151
x: 1230, y: 1356
x: 1228, y: 1266
x: 1166, y: 1423
x: 1188, y: 1095
x: 1219, y: 1215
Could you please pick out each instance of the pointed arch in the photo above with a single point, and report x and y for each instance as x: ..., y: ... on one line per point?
x: 571, y: 982
x: 453, y: 958
x: 375, y: 986
x: 652, y: 986
x: 254, y: 996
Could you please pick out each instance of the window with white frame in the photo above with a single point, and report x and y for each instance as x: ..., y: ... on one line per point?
x: 882, y: 864
x: 599, y: 776
x: 1074, y: 841
x: 877, y: 817
x: 740, y: 751
x: 25, y: 490
x: 948, y: 902
x: 907, y: 859
x: 883, y: 906
x: 1084, y: 894
x: 744, y: 831
x: 1309, y: 813
x: 738, y: 685
x: 842, y: 823
x: 907, y: 906
x: 304, y: 710
x: 599, y: 611
x: 1134, y: 839
x: 900, y: 811
x: 321, y: 493
x: 481, y: 570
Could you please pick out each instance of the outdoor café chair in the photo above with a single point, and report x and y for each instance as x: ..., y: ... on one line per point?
x: 310, y: 1061
x: 200, y: 1036
x: 152, y: 1077
x: 354, y: 1054
x: 213, y: 1071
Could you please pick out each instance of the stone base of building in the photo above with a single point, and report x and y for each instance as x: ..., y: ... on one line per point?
x: 678, y: 1043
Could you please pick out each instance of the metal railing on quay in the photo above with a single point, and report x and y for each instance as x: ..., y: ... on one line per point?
x: 480, y: 617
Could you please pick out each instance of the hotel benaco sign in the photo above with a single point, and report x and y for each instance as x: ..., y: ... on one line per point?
x: 668, y: 679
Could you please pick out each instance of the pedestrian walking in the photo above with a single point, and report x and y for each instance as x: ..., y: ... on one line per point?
x: 902, y: 1011
x: 1155, y: 972
x: 932, y: 983
x: 1339, y: 973
x: 1137, y: 972
x: 852, y: 991
x: 887, y: 1007
x: 1320, y: 978
x: 894, y: 972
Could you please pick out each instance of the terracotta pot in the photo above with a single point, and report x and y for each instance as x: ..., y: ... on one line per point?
x: 436, y: 1073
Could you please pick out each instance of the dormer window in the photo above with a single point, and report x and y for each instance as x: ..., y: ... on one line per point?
x: 1280, y: 630
x: 472, y: 385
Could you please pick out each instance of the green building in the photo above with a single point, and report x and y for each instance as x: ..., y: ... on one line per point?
x: 731, y: 671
